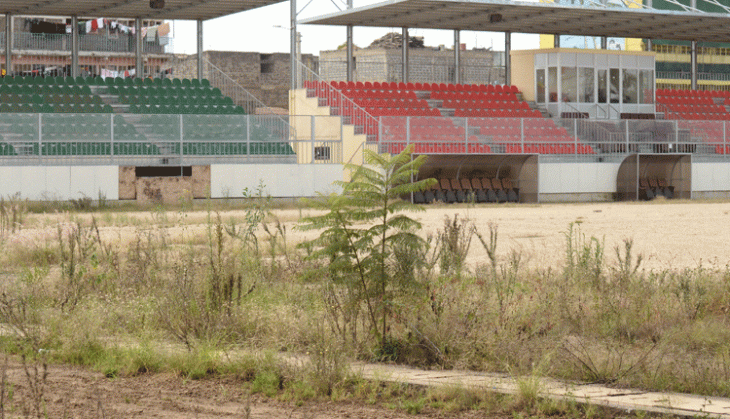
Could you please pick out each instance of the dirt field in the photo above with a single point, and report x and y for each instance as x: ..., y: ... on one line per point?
x: 670, y: 235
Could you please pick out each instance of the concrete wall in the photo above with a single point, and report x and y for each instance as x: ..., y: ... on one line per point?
x: 577, y: 181
x: 280, y: 180
x: 710, y: 177
x: 60, y: 182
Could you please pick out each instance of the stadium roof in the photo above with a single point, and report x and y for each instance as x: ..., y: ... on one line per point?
x: 541, y: 18
x: 174, y: 9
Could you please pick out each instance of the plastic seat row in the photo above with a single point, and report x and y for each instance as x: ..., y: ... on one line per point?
x: 391, y: 103
x: 164, y: 90
x: 443, y: 95
x: 380, y: 94
x: 697, y: 116
x: 512, y: 148
x: 340, y: 85
x: 685, y: 100
x: 402, y: 111
x: 703, y: 108
x: 484, y: 104
x: 187, y: 109
x: 654, y: 187
x: 498, y: 113
x: 173, y: 100
x: 470, y: 190
x: 45, y: 90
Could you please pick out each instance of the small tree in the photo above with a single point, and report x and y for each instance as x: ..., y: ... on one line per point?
x: 363, y: 226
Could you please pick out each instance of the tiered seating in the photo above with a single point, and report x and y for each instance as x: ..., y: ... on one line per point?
x: 474, y: 189
x: 48, y: 95
x: 69, y: 129
x: 541, y: 136
x: 430, y: 135
x: 693, y: 104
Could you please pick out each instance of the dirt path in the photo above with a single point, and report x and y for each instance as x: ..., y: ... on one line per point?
x: 77, y: 393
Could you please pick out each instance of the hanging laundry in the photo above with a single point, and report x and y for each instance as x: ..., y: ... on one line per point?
x: 163, y: 29
x: 94, y: 25
x: 151, y: 34
x: 100, y: 23
x: 88, y: 26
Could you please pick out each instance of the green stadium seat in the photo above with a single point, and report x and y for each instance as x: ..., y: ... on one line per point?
x: 166, y: 82
x: 205, y: 82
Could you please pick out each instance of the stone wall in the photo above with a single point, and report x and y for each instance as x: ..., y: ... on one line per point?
x: 265, y: 76
x: 167, y: 189
x: 425, y: 65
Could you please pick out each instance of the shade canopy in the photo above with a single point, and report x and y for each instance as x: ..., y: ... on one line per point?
x: 533, y: 17
x: 174, y: 9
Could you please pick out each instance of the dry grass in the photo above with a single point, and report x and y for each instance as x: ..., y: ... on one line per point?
x: 541, y: 298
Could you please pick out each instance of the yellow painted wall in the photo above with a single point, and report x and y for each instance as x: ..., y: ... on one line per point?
x: 523, y: 73
x: 326, y: 128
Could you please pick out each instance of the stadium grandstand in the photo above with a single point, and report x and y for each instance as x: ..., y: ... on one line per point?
x: 567, y: 124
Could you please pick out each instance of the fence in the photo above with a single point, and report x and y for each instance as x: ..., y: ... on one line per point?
x: 563, y: 139
x: 250, y: 103
x: 157, y: 140
x: 118, y: 43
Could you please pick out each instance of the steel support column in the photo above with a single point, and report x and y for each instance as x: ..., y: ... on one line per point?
x: 457, y: 56
x: 350, y: 69
x: 139, y: 65
x: 74, y: 46
x: 293, y: 43
x: 200, y: 49
x: 350, y: 62
x: 693, y: 65
x: 8, y: 44
x: 404, y: 47
x: 604, y: 42
x: 556, y: 41
x: 648, y: 41
x: 507, y: 58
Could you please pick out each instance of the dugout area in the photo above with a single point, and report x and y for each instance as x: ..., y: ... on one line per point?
x: 520, y: 171
x: 647, y: 176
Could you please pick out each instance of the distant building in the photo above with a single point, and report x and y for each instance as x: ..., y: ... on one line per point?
x: 477, y: 66
x: 42, y: 45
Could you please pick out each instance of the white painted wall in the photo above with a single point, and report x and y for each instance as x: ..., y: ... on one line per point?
x: 710, y: 177
x: 280, y: 180
x: 60, y: 182
x: 563, y: 178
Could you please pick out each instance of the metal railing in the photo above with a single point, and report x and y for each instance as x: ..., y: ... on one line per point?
x: 686, y: 75
x: 595, y: 140
x: 339, y: 104
x: 135, y: 139
x: 278, y: 124
x: 120, y: 43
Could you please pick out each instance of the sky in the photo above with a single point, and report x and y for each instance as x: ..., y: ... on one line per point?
x: 266, y: 30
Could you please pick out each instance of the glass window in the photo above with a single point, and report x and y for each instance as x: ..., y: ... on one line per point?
x: 553, y: 83
x: 631, y: 86
x: 646, y: 86
x: 540, y: 85
x: 586, y: 85
x: 569, y: 77
x: 602, y: 94
x: 614, y: 86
